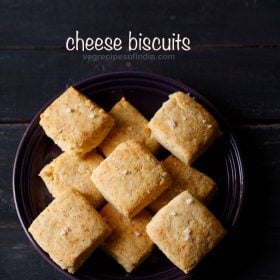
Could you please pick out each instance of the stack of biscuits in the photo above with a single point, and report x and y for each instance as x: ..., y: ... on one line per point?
x: 111, y: 191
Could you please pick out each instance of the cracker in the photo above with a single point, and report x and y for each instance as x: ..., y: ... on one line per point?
x: 129, y: 243
x: 68, y: 171
x: 69, y: 230
x: 184, y: 127
x: 129, y: 124
x: 130, y: 178
x: 184, y: 178
x: 185, y: 231
x: 75, y: 123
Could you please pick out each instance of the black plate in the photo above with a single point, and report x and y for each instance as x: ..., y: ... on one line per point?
x: 146, y: 91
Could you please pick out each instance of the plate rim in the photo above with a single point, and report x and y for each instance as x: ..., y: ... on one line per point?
x: 116, y: 75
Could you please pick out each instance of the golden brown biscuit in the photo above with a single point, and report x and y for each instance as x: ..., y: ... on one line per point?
x: 130, y: 178
x: 184, y: 127
x: 185, y: 231
x: 129, y: 124
x: 69, y: 230
x: 67, y: 171
x: 129, y: 243
x: 75, y: 123
x: 184, y: 178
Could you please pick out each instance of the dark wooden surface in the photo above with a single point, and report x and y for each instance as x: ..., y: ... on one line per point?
x: 234, y: 61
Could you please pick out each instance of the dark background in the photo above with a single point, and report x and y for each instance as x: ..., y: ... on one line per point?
x: 234, y: 62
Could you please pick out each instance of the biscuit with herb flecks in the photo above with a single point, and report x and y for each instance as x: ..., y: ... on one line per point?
x: 68, y: 171
x: 184, y: 127
x: 129, y: 124
x: 184, y: 178
x: 129, y: 243
x: 185, y: 231
x: 75, y: 123
x: 130, y: 178
x: 69, y: 230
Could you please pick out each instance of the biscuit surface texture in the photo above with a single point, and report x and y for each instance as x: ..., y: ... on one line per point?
x: 184, y: 178
x: 75, y: 123
x: 130, y: 178
x: 68, y: 171
x: 185, y: 231
x: 129, y: 243
x: 69, y: 230
x: 184, y: 127
x: 129, y: 124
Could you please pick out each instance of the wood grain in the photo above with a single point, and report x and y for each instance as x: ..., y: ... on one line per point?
x: 9, y: 139
x: 234, y: 62
x: 235, y: 22
x: 258, y: 260
x: 254, y: 247
x: 243, y: 84
x: 260, y: 145
x: 19, y: 260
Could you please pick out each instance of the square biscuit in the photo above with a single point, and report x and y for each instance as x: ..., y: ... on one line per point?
x: 129, y: 243
x: 130, y: 178
x: 184, y: 178
x: 68, y: 171
x: 129, y: 124
x: 184, y: 127
x: 69, y: 230
x: 75, y: 123
x: 185, y: 231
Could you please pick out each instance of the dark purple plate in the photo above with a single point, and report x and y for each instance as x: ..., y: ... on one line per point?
x: 147, y: 92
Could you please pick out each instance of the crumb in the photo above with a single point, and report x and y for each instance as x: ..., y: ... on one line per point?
x: 162, y: 177
x: 64, y: 231
x: 68, y: 110
x: 92, y: 116
x: 172, y: 213
x: 171, y: 123
x: 187, y: 233
x: 81, y: 169
x: 125, y: 172
x: 189, y: 201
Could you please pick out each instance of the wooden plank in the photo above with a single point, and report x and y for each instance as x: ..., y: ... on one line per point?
x: 19, y: 260
x: 254, y: 257
x: 40, y: 23
x: 260, y: 145
x: 9, y: 139
x: 257, y: 241
x: 242, y: 83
